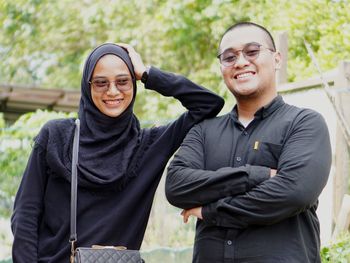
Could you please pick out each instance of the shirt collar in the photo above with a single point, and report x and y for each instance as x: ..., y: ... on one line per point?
x: 264, y: 111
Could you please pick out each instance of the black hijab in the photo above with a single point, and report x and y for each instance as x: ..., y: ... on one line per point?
x: 110, y: 147
x: 107, y: 143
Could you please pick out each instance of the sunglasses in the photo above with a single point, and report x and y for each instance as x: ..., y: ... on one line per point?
x: 103, y: 84
x: 250, y: 52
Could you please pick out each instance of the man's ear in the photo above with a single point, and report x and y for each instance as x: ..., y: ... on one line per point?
x: 278, y: 60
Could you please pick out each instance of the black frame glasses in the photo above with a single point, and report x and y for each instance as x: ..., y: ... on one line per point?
x: 250, y: 52
x: 103, y: 84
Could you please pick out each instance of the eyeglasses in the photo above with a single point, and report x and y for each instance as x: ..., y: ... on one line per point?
x: 103, y: 84
x: 250, y: 52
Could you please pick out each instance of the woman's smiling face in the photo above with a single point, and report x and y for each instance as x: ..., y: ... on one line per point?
x: 112, y: 70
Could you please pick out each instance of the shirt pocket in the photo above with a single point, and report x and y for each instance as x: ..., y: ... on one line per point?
x: 264, y: 154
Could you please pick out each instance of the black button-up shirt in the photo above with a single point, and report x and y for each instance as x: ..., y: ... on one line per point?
x: 248, y: 216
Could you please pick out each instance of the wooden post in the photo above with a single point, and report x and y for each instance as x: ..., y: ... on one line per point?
x: 282, y: 46
x: 342, y: 155
x: 343, y: 218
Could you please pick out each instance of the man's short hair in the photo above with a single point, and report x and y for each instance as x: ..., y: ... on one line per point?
x: 247, y: 24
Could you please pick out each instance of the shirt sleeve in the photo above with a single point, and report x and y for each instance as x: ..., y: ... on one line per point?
x: 302, y: 173
x: 28, y: 209
x: 189, y: 185
x: 200, y: 103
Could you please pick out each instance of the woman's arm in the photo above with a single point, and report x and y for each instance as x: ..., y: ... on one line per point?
x: 200, y: 102
x: 28, y: 208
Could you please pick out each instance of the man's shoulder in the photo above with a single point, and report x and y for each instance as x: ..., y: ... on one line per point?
x: 299, y: 111
x: 215, y: 121
x: 297, y: 114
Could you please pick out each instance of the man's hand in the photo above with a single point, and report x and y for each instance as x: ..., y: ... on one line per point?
x: 136, y: 60
x: 197, y: 212
x: 273, y: 172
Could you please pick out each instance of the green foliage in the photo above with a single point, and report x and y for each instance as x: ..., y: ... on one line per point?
x: 338, y: 252
x: 12, y: 163
x: 28, y: 125
x: 46, y: 42
x: 2, y: 121
x: 15, y: 146
x: 169, y: 255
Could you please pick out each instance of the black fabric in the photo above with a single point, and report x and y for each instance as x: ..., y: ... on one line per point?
x: 106, y: 215
x: 103, y: 139
x: 247, y: 216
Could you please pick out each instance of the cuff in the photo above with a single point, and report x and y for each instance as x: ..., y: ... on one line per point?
x: 209, y: 214
x: 153, y: 74
x: 144, y: 76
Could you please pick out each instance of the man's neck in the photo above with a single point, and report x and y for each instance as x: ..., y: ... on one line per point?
x: 246, y: 108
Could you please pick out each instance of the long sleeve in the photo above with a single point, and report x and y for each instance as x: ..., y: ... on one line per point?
x: 200, y: 103
x: 28, y: 208
x: 303, y: 170
x: 189, y: 184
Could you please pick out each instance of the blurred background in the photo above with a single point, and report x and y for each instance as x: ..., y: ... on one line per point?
x: 44, y: 44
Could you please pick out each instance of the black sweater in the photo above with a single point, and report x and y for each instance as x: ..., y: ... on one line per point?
x: 105, y: 216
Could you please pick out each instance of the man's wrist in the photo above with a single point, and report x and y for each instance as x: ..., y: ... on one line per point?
x: 209, y: 214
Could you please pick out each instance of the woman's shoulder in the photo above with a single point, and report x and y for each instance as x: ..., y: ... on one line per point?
x: 60, y: 124
x: 56, y: 126
x: 55, y: 129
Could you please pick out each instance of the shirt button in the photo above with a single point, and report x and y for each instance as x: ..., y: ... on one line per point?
x: 238, y: 159
x: 229, y: 242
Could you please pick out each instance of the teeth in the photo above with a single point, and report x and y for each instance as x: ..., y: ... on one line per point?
x: 244, y: 75
x: 113, y: 102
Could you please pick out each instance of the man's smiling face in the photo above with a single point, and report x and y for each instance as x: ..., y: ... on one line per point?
x: 247, y: 79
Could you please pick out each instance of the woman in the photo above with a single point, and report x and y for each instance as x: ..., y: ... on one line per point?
x: 119, y: 164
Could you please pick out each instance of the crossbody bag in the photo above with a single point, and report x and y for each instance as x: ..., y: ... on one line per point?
x: 96, y: 253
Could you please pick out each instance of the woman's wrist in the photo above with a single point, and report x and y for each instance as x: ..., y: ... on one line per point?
x: 144, y: 76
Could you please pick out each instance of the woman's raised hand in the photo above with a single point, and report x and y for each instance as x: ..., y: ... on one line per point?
x: 136, y: 60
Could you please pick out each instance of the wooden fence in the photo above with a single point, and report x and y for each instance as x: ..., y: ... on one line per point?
x: 339, y: 81
x: 17, y: 100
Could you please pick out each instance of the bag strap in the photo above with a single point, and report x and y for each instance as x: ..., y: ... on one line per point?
x: 73, y: 204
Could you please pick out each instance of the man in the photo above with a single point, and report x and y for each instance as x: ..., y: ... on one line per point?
x: 252, y: 177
